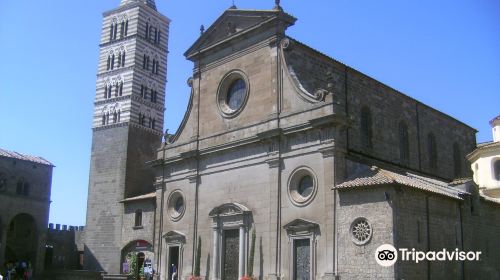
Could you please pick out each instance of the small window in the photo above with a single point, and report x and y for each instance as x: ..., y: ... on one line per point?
x: 112, y: 61
x: 115, y: 31
x: 110, y: 87
x: 123, y: 59
x: 126, y: 27
x: 361, y: 231
x: 122, y: 29
x: 302, y: 186
x: 176, y: 205
x: 105, y: 91
x: 120, y: 91
x: 146, y: 35
x: 457, y: 160
x: 119, y: 61
x: 366, y: 127
x: 153, y: 124
x: 115, y: 117
x: 496, y: 168
x: 432, y: 150
x: 119, y: 113
x: 111, y: 28
x: 138, y: 218
x: 3, y: 181
x: 108, y: 67
x: 404, y: 147
x: 19, y: 187
x: 150, y: 32
x: 26, y: 189
x: 104, y: 119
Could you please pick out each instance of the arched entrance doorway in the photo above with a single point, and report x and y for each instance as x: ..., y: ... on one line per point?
x: 22, y: 240
x: 135, y: 255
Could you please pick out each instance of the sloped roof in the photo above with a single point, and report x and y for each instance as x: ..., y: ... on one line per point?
x: 30, y: 158
x: 140, y: 197
x: 376, y: 176
x: 233, y: 23
x: 494, y: 120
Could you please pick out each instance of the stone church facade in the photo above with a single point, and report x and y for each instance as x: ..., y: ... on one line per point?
x: 323, y: 163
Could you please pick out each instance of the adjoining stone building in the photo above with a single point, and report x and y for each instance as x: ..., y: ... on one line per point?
x: 25, y: 185
x: 324, y: 163
x: 485, y: 163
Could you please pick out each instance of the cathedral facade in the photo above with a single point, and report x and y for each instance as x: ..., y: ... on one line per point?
x: 287, y: 165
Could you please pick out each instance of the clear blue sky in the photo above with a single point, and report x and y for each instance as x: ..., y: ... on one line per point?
x: 444, y: 53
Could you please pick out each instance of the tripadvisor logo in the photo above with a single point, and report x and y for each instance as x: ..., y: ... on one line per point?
x: 387, y: 255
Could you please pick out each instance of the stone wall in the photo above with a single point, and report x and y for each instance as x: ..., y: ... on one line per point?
x: 358, y: 261
x: 35, y: 203
x: 106, y: 188
x: 64, y: 247
x: 388, y: 107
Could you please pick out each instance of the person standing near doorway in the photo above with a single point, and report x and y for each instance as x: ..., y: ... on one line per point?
x: 174, y: 272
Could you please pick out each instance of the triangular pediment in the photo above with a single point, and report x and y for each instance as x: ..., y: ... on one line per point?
x: 229, y: 209
x: 301, y: 225
x: 174, y: 235
x: 234, y: 23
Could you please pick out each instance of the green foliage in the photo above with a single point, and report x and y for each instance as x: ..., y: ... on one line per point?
x: 198, y: 258
x: 252, y: 254
x: 141, y: 271
x: 132, y: 264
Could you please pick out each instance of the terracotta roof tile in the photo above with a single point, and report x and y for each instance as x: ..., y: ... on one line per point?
x: 16, y: 155
x: 376, y: 176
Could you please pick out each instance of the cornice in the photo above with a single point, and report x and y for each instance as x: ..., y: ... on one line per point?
x: 158, y: 47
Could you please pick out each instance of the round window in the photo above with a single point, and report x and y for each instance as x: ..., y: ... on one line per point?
x: 302, y: 186
x: 361, y: 231
x: 232, y: 93
x: 176, y: 205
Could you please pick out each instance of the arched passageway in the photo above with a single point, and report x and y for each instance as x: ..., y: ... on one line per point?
x: 22, y: 240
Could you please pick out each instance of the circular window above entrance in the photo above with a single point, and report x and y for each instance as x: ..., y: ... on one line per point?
x: 176, y: 205
x: 232, y: 93
x: 302, y: 186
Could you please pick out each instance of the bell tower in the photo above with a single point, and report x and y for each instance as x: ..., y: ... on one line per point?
x: 127, y: 123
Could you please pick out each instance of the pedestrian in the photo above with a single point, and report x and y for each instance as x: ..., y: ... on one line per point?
x: 148, y: 271
x: 174, y: 272
x: 30, y: 271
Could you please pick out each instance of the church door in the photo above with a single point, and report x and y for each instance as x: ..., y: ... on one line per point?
x: 301, y: 259
x: 230, y: 254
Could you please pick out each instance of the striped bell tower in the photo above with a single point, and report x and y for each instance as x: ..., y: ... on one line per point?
x: 127, y: 123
